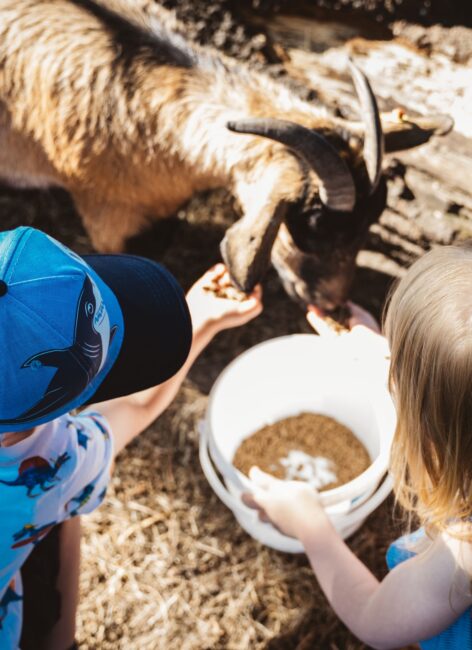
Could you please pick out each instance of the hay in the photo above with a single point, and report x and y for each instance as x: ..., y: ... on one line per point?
x: 166, y: 566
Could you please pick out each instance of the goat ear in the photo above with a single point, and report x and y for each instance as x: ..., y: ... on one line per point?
x: 247, y: 245
x: 403, y: 131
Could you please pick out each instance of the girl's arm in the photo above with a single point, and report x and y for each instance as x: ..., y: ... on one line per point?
x: 130, y: 415
x: 417, y: 600
x: 420, y: 597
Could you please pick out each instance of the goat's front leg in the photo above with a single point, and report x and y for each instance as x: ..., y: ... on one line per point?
x: 108, y: 225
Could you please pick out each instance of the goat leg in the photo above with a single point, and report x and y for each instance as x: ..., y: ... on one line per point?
x: 108, y: 225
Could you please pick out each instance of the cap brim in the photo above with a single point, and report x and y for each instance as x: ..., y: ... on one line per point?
x: 157, y: 324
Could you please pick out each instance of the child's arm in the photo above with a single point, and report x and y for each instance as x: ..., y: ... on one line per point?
x: 418, y: 599
x: 130, y: 415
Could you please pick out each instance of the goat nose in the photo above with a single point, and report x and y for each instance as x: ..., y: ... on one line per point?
x: 325, y: 303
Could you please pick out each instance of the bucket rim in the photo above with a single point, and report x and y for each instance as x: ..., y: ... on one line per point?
x: 352, y: 490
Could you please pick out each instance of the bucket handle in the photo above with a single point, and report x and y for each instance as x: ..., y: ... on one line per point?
x: 361, y: 512
x: 332, y: 497
x: 221, y: 491
x: 365, y: 509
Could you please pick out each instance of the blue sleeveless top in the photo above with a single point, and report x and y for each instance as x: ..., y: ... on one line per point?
x: 457, y: 636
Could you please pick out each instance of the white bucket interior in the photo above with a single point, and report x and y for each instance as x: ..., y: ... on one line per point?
x: 294, y: 374
x: 232, y: 422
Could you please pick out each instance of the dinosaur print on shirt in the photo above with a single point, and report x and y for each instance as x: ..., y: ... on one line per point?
x: 10, y: 596
x: 36, y: 471
x: 31, y: 534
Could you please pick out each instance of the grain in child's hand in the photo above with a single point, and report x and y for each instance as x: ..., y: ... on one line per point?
x: 338, y: 319
x: 222, y: 287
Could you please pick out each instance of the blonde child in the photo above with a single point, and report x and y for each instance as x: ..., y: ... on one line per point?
x: 427, y: 596
x: 113, y: 329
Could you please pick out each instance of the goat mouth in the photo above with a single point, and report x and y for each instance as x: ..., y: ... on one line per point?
x: 306, y: 292
x: 305, y: 295
x: 326, y: 304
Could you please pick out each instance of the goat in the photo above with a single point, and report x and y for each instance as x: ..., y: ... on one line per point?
x: 107, y: 99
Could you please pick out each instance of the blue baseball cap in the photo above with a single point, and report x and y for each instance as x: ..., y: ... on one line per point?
x: 75, y: 330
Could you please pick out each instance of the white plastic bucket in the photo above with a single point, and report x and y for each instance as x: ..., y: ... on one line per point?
x: 283, y: 377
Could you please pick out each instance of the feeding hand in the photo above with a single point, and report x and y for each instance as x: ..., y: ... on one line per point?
x: 362, y: 317
x: 363, y: 338
x: 289, y: 505
x: 325, y: 326
x: 216, y: 304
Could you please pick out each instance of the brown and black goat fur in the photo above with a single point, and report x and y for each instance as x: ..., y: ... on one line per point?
x: 108, y: 100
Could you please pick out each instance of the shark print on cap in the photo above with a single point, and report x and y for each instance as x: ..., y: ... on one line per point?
x: 76, y: 365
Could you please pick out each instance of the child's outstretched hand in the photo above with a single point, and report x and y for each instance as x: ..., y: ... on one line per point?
x: 363, y: 338
x: 289, y: 505
x: 359, y: 318
x: 215, y: 304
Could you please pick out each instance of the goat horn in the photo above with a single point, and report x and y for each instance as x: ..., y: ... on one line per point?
x: 337, y: 189
x: 373, y: 136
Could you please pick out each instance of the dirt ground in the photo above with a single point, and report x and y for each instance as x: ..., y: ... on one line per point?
x: 165, y: 565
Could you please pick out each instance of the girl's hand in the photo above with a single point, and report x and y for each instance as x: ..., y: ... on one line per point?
x: 291, y: 506
x: 215, y: 304
x: 362, y: 317
x: 359, y: 318
x: 363, y: 339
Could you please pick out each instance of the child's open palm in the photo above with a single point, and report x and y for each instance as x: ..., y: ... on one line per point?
x: 216, y: 304
x: 363, y: 338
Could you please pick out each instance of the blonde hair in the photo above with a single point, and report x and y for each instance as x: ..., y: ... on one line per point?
x: 429, y: 327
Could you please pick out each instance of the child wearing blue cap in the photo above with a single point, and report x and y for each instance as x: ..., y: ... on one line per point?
x: 114, y: 330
